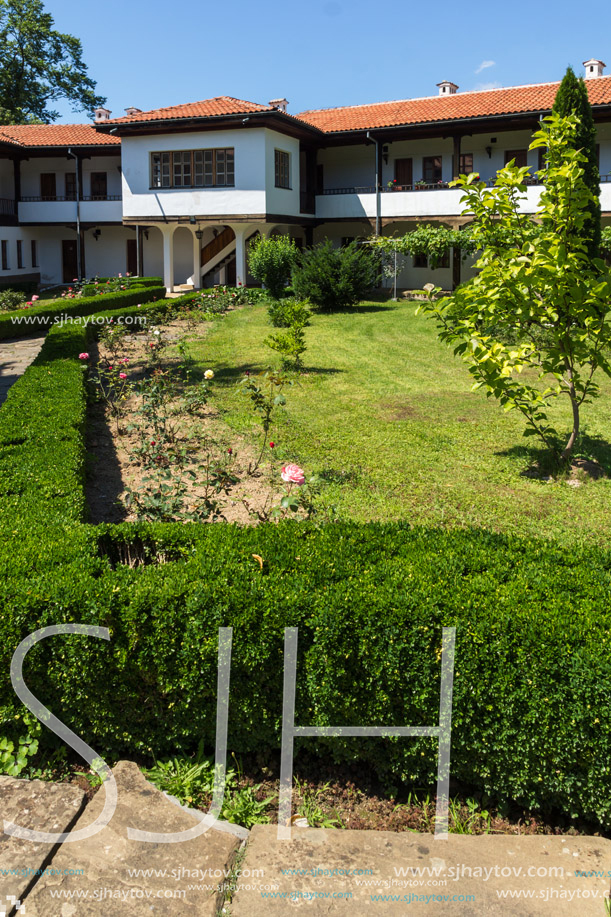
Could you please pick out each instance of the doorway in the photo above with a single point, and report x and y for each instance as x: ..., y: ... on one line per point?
x: 69, y: 260
x: 132, y: 257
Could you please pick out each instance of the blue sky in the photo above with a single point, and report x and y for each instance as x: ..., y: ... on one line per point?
x: 321, y: 53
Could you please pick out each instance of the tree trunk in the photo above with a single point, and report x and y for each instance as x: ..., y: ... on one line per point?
x: 575, y: 431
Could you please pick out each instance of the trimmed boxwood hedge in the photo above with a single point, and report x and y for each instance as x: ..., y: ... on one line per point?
x: 532, y: 690
x: 48, y: 312
x: 89, y: 287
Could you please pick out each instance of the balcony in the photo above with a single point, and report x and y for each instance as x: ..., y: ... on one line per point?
x: 403, y: 202
x: 107, y: 209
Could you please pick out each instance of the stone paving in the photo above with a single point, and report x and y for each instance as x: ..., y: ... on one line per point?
x: 323, y: 872
x: 15, y: 357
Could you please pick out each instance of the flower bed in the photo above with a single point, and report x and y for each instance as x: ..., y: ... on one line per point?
x: 45, y: 313
x: 533, y: 625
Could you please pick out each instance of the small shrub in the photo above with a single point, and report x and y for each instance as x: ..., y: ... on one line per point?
x: 271, y: 260
x: 11, y: 300
x: 335, y: 278
x: 290, y: 344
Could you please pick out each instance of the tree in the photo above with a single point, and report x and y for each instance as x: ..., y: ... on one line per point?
x: 336, y: 278
x: 270, y: 261
x: 532, y: 325
x: 39, y: 65
x: 572, y: 99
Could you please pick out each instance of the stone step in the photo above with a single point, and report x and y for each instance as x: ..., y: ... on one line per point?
x: 473, y: 873
x: 39, y: 806
x: 182, y: 878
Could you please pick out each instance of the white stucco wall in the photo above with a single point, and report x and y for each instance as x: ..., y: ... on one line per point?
x: 247, y: 197
x: 11, y: 234
x: 281, y: 200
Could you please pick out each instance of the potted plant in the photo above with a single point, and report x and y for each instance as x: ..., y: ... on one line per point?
x: 392, y: 185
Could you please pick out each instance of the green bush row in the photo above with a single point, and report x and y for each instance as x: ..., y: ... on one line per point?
x: 89, y: 287
x: 49, y: 312
x: 532, y: 687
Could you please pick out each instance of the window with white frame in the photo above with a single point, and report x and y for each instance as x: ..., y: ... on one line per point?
x: 282, y: 168
x: 193, y: 169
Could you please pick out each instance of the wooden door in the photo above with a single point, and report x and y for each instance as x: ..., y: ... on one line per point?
x: 69, y: 260
x: 99, y: 186
x: 519, y: 156
x: 132, y: 257
x: 48, y: 189
x: 404, y: 172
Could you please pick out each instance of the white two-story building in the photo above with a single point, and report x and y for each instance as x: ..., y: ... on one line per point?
x: 178, y: 192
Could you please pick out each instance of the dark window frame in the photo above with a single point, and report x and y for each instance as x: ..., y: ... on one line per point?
x: 421, y: 260
x: 34, y: 252
x: 462, y: 168
x: 70, y: 186
x: 282, y: 169
x: 4, y: 250
x: 180, y: 169
x: 434, y: 166
x: 19, y: 254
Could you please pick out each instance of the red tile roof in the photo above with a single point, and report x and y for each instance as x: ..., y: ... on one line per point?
x: 41, y: 135
x: 490, y: 102
x: 208, y: 108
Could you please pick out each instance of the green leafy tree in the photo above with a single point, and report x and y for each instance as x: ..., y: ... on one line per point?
x: 545, y: 296
x: 39, y: 66
x: 336, y: 278
x: 270, y: 261
x: 572, y: 99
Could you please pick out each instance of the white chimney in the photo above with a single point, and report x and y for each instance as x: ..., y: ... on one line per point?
x: 132, y: 111
x: 446, y: 88
x: 280, y: 104
x: 594, y: 68
x: 101, y: 114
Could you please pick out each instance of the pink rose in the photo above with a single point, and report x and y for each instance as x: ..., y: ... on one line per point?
x: 83, y: 356
x: 34, y: 298
x: 293, y: 474
x: 122, y: 375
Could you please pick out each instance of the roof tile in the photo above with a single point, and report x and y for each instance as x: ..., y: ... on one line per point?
x: 41, y: 135
x: 208, y: 108
x: 490, y: 102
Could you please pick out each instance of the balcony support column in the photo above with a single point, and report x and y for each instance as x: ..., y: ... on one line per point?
x: 456, y: 156
x: 168, y: 257
x: 241, y: 273
x: 197, y: 257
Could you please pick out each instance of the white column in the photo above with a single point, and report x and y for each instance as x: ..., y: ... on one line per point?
x: 168, y: 257
x: 240, y: 255
x: 197, y: 277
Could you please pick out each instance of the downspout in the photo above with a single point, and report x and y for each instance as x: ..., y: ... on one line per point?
x: 78, y: 216
x: 378, y: 192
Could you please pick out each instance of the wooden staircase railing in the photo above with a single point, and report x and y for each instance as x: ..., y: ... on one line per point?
x: 216, y: 245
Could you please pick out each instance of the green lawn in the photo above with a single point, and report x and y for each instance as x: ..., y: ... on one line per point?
x: 386, y: 413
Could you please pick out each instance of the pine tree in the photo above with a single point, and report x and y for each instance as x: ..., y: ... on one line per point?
x: 572, y: 99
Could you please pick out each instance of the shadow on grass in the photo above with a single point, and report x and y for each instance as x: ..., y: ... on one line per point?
x: 228, y: 375
x: 367, y: 308
x: 546, y: 462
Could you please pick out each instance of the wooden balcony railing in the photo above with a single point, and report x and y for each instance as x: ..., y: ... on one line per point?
x: 70, y: 198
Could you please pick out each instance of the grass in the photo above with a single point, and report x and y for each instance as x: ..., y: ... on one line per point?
x: 386, y: 415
